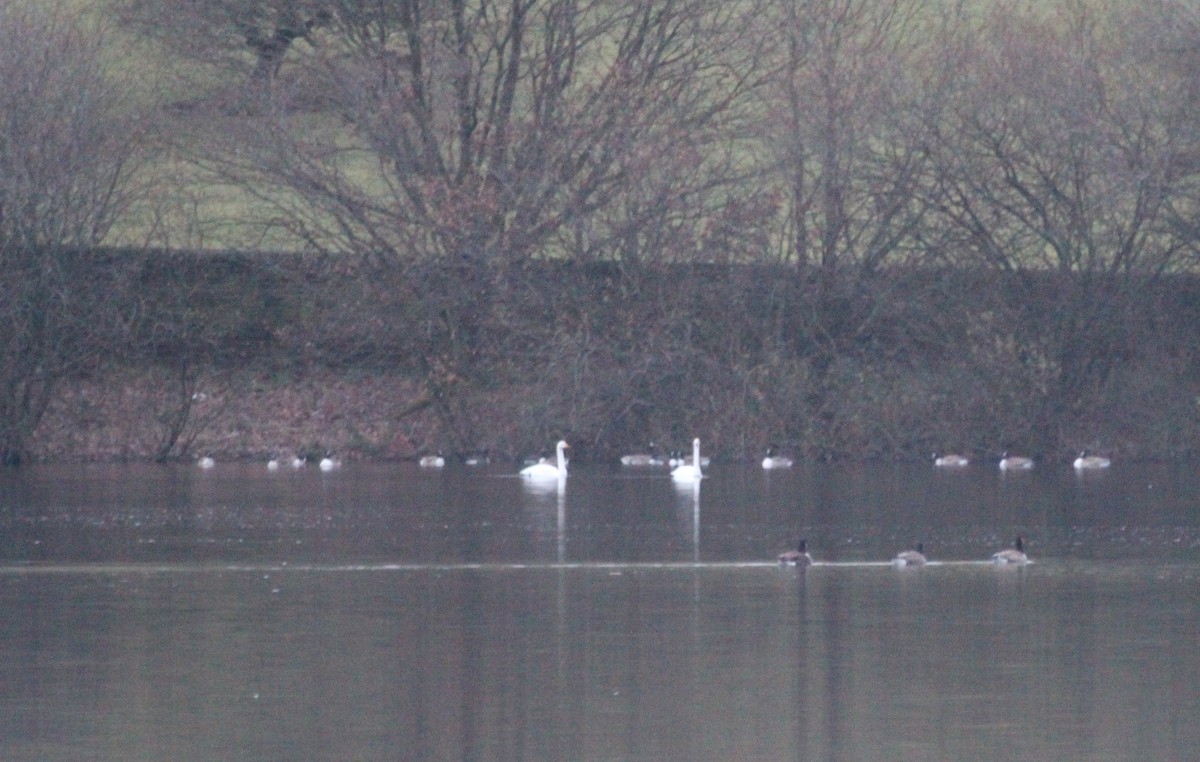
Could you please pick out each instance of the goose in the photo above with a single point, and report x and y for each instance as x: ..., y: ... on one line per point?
x: 546, y: 470
x: 797, y: 557
x: 776, y: 461
x: 688, y: 472
x: 950, y: 461
x: 650, y: 458
x: 476, y: 459
x: 911, y: 557
x: 273, y: 463
x: 432, y: 461
x: 1085, y: 461
x: 1013, y: 555
x: 329, y: 463
x: 1015, y: 462
x: 298, y: 461
x: 206, y: 462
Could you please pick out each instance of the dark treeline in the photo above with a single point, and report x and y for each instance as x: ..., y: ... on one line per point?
x: 614, y: 356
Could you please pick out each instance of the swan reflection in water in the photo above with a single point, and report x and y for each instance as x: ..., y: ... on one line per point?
x: 541, y: 490
x: 688, y: 494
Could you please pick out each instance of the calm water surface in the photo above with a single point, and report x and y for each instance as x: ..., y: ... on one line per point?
x: 384, y: 612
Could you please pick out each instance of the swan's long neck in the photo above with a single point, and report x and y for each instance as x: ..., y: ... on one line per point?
x: 562, y: 460
x: 696, y: 455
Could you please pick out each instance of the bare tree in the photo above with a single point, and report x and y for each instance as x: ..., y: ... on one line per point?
x: 1058, y: 165
x: 68, y: 155
x: 474, y: 139
x: 243, y: 36
x: 1163, y: 38
x: 853, y: 80
x: 847, y: 86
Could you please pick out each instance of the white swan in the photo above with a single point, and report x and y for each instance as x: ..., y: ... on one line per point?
x: 689, y: 472
x: 1085, y: 461
x: 1013, y: 555
x: 776, y: 461
x: 911, y: 557
x: 545, y: 470
x: 950, y: 461
x: 1015, y: 463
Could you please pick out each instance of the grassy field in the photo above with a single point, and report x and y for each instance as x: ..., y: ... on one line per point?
x: 188, y: 101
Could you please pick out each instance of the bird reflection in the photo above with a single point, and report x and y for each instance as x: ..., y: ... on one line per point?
x: 562, y: 524
x: 541, y: 491
x: 685, y: 490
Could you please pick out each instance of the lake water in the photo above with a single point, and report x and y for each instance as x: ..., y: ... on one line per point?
x: 384, y: 612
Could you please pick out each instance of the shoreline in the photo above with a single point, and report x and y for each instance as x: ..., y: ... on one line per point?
x: 125, y: 415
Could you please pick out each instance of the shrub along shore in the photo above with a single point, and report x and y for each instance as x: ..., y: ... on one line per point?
x: 165, y: 355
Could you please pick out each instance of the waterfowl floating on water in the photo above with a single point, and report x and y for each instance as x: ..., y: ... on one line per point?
x: 1015, y: 463
x: 772, y: 461
x: 547, y: 470
x: 950, y: 461
x: 797, y: 557
x: 1085, y: 462
x: 911, y: 557
x: 432, y: 461
x: 679, y: 459
x: 688, y: 472
x: 1013, y: 555
x: 647, y: 459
